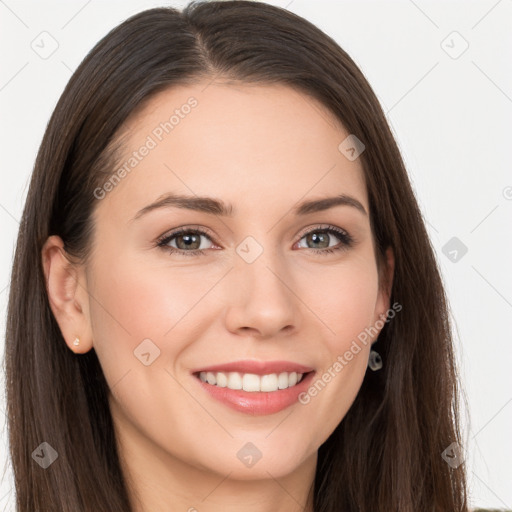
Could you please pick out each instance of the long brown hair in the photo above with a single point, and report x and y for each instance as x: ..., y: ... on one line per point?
x: 386, y: 453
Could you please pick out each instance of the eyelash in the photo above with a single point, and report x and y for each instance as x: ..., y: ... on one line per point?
x: 347, y: 240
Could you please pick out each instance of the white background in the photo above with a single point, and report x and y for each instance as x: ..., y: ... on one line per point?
x: 452, y: 118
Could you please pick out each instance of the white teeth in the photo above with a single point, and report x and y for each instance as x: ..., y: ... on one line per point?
x: 269, y: 382
x: 282, y: 381
x: 250, y: 381
x: 234, y: 381
x: 222, y: 380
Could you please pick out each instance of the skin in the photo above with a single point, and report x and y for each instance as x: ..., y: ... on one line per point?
x: 262, y: 149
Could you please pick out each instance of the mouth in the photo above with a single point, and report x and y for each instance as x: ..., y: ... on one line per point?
x: 251, y: 382
x: 254, y: 394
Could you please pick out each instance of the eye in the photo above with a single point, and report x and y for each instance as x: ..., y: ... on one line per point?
x: 187, y: 240
x: 320, y: 236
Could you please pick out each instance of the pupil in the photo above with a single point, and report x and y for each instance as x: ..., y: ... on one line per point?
x: 318, y: 238
x: 188, y: 239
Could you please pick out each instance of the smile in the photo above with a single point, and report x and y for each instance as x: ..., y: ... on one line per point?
x: 251, y: 382
x: 254, y: 394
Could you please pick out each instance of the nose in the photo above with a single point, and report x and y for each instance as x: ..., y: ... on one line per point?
x: 261, y: 300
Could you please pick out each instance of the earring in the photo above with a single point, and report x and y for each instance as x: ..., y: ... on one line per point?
x: 76, y: 342
x: 374, y: 361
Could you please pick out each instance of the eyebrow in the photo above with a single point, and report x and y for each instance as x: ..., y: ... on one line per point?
x: 218, y: 207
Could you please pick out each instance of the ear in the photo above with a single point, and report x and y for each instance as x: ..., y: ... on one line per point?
x: 385, y: 287
x: 67, y: 293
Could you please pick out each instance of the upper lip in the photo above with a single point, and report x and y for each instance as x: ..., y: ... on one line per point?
x: 257, y: 367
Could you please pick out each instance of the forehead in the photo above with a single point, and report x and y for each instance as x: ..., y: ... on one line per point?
x: 250, y: 145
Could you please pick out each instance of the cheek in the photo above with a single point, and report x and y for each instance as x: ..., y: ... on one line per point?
x: 129, y: 306
x: 341, y: 300
x: 139, y: 301
x: 135, y: 302
x: 344, y: 300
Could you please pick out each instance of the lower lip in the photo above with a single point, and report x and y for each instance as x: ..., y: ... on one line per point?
x: 258, y: 402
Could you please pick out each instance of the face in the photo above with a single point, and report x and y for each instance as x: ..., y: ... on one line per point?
x: 262, y: 282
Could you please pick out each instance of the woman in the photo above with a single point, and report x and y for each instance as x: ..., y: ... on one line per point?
x: 223, y: 295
